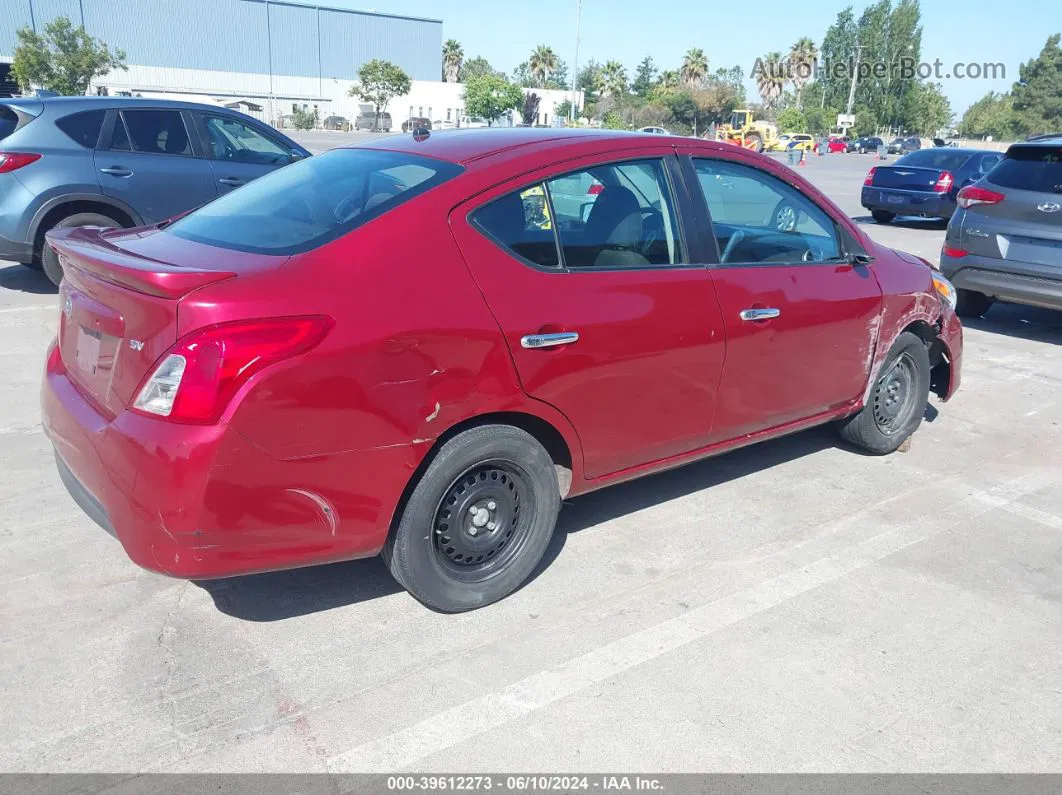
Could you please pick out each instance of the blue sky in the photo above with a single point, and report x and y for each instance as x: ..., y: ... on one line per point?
x: 730, y: 33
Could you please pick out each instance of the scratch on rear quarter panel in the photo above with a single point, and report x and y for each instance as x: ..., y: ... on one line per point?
x: 322, y: 504
x: 434, y: 414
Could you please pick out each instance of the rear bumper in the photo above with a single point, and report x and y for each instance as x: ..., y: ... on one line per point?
x: 906, y: 202
x: 199, y: 502
x: 1007, y: 280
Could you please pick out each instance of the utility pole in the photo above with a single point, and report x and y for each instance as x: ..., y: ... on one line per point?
x: 575, y: 62
x: 855, y: 74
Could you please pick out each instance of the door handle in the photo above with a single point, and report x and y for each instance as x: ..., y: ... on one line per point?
x: 117, y: 171
x: 766, y: 313
x: 234, y: 181
x: 534, y: 341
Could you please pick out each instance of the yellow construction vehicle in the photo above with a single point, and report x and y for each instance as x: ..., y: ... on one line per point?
x: 748, y: 133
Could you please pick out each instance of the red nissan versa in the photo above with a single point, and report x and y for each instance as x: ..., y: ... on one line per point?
x: 420, y: 347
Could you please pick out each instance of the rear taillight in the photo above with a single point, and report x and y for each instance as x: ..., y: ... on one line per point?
x: 10, y: 161
x: 197, y: 378
x: 972, y: 195
x: 870, y: 177
x: 950, y: 251
x: 944, y: 182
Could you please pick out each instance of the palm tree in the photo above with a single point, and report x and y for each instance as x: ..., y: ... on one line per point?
x: 694, y: 68
x: 452, y: 58
x: 543, y: 63
x: 669, y: 80
x: 771, y: 78
x: 802, y: 58
x: 613, y: 79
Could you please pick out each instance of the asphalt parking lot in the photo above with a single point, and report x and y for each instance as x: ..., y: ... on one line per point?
x: 793, y: 606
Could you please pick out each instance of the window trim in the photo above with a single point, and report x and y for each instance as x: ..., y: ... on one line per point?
x: 672, y: 175
x: 844, y: 238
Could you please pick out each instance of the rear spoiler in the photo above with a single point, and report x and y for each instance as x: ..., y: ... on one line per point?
x: 86, y: 249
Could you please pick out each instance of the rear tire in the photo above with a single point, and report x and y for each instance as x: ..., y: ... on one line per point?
x: 50, y: 260
x: 478, y: 522
x: 882, y: 216
x: 897, y: 400
x: 973, y: 304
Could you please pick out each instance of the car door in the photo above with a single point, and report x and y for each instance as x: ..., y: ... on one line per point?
x: 605, y: 315
x: 238, y: 151
x: 151, y: 162
x: 800, y: 319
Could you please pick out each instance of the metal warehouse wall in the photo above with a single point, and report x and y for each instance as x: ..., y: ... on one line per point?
x: 250, y: 36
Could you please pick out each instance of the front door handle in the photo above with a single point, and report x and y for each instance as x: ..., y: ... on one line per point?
x: 766, y: 313
x: 233, y: 181
x: 117, y: 171
x: 534, y: 341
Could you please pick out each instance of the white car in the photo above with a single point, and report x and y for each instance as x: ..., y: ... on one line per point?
x: 654, y: 130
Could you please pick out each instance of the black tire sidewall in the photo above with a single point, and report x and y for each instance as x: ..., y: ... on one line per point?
x: 50, y: 260
x: 409, y: 552
x: 882, y: 216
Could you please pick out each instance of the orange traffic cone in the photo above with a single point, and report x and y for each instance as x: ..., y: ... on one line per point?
x: 803, y: 157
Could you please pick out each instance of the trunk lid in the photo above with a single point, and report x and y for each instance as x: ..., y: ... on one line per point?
x: 907, y: 178
x: 119, y: 310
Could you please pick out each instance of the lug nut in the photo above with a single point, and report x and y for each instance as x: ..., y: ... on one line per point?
x: 473, y: 510
x: 491, y: 526
x: 491, y: 505
x: 472, y: 531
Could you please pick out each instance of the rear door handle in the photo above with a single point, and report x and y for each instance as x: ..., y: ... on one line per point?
x: 117, y: 171
x: 766, y: 313
x: 534, y: 341
x: 234, y: 181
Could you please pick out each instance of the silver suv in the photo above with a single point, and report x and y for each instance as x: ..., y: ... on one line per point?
x: 1005, y: 240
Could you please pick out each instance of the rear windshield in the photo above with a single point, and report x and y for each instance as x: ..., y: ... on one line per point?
x: 1035, y: 168
x: 931, y: 158
x: 8, y: 121
x: 309, y: 203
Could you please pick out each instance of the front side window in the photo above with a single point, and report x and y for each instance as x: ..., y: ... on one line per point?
x: 758, y: 218
x: 313, y: 201
x: 236, y: 142
x: 155, y: 132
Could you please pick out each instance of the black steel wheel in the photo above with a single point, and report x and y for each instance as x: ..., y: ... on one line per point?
x: 478, y: 521
x: 894, y: 395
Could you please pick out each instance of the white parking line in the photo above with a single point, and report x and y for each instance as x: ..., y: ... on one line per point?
x: 453, y: 726
x: 13, y: 309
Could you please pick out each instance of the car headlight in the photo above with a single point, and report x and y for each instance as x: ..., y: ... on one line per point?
x: 945, y: 289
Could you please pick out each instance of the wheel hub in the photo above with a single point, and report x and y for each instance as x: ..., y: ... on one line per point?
x: 892, y: 396
x: 479, y: 519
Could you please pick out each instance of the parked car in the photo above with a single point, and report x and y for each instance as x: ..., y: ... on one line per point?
x: 924, y: 183
x: 225, y: 399
x: 369, y: 121
x: 472, y: 122
x: 864, y: 144
x: 901, y: 146
x: 801, y: 142
x: 837, y: 144
x: 416, y: 123
x: 1005, y: 240
x: 336, y: 123
x: 119, y: 162
x: 654, y: 130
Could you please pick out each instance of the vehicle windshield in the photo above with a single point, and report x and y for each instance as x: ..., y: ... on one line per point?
x: 934, y: 158
x: 309, y: 203
x: 1035, y: 168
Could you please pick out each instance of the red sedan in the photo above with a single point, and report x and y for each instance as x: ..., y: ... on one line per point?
x: 837, y: 144
x: 420, y: 347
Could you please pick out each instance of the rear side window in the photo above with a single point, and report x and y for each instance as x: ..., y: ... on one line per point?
x: 83, y: 128
x: 1035, y: 168
x: 8, y: 121
x: 933, y: 158
x: 312, y: 202
x: 157, y: 132
x: 521, y: 222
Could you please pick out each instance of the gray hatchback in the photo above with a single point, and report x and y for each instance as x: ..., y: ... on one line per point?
x: 105, y: 161
x: 1005, y: 240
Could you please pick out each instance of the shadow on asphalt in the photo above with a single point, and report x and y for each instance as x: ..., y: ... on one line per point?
x: 288, y: 594
x: 1022, y: 322
x: 905, y: 222
x: 28, y: 280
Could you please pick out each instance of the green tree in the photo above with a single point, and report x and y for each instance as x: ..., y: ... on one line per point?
x: 1038, y: 92
x: 590, y: 82
x: 378, y: 83
x: 734, y: 79
x: 993, y: 114
x: 770, y: 72
x: 932, y: 110
x: 613, y: 79
x: 694, y: 68
x: 563, y: 109
x: 452, y: 57
x: 802, y: 57
x: 541, y: 64
x: 304, y: 119
x: 644, y: 77
x: 668, y: 83
x: 489, y: 96
x: 838, y: 53
x: 522, y: 75
x: 64, y: 60
x: 791, y: 120
x: 476, y: 67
